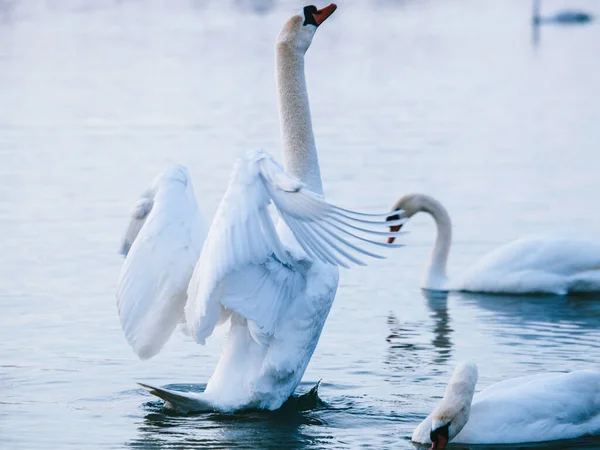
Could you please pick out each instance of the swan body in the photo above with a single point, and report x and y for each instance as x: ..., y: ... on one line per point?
x: 275, y: 296
x: 551, y: 264
x: 535, y: 408
x: 273, y: 286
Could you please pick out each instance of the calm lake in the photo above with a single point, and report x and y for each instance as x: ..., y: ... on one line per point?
x: 453, y: 98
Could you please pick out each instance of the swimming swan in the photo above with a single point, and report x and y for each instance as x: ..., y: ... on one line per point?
x: 541, y: 264
x: 275, y: 286
x: 535, y: 408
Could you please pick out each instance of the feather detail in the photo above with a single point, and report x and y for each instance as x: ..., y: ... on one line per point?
x: 245, y: 268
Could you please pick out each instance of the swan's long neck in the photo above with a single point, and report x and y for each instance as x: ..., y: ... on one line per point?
x: 436, y: 278
x: 455, y: 406
x: 299, y: 151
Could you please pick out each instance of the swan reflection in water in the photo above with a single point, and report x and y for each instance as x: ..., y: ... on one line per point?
x: 401, y: 337
x: 554, y: 325
x: 524, y: 311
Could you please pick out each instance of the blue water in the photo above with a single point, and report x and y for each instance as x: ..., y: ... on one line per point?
x: 451, y: 98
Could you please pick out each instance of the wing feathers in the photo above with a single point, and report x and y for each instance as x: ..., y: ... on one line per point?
x: 305, y: 206
x: 337, y: 247
x: 311, y: 243
x: 306, y: 214
x: 356, y: 213
x: 245, y: 268
x: 270, y: 234
x: 162, y: 252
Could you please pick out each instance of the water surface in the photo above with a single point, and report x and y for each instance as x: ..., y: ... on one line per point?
x: 451, y: 98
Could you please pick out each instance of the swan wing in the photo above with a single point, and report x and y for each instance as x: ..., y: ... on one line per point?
x: 245, y: 268
x: 501, y: 387
x: 163, y: 241
x: 535, y: 408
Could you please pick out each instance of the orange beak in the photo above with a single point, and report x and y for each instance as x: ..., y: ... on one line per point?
x: 441, y: 443
x: 439, y: 437
x: 393, y: 229
x: 322, y: 14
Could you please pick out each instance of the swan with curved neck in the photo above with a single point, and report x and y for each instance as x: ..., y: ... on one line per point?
x: 534, y: 408
x: 435, y: 277
x: 273, y: 286
x: 552, y: 264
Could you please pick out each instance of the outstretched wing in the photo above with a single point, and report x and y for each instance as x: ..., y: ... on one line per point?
x: 163, y: 244
x: 244, y: 266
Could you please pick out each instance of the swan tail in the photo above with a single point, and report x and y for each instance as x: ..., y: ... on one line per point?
x: 185, y: 402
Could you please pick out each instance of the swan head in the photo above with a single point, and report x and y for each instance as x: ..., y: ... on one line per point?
x: 452, y: 414
x: 299, y: 30
x: 407, y: 206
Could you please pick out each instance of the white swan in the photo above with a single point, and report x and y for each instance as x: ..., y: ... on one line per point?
x: 274, y: 286
x: 535, y: 408
x: 539, y: 264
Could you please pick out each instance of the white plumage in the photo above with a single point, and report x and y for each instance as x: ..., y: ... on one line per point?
x: 550, y: 263
x: 245, y: 268
x: 276, y: 296
x: 162, y: 245
x: 274, y: 286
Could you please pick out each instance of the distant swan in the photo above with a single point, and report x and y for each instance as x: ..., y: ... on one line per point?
x: 274, y: 286
x: 535, y: 408
x: 562, y: 17
x: 538, y: 264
